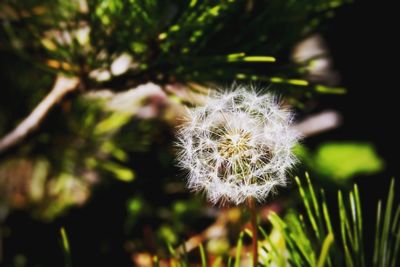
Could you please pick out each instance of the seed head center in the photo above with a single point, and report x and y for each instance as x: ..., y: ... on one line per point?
x: 234, y: 143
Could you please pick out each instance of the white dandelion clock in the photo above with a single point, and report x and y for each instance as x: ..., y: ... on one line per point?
x: 238, y: 146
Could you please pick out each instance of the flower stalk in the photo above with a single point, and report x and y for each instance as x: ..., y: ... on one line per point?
x: 253, y: 219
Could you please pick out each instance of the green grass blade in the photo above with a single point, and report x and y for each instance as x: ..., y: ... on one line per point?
x: 396, y: 249
x: 392, y: 238
x: 229, y: 261
x: 359, y: 223
x: 347, y: 257
x: 301, y: 240
x: 327, y: 218
x: 328, y: 222
x: 396, y: 219
x: 294, y: 253
x: 344, y: 230
x: 263, y: 233
x: 202, y: 256
x: 239, y: 247
x: 66, y: 247
x: 342, y: 216
x: 348, y: 230
x: 325, y: 250
x: 377, y: 234
x: 276, y: 257
x: 314, y: 201
x: 384, y: 243
x: 308, y: 208
x: 356, y: 247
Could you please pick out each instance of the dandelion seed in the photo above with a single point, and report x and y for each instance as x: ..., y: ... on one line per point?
x: 238, y: 146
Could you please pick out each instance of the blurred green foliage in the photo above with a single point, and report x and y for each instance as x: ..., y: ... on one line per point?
x: 341, y: 161
x: 176, y: 41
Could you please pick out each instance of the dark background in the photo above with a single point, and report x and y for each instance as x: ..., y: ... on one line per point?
x: 362, y: 42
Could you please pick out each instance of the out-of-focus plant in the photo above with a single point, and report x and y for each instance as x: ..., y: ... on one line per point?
x: 129, y: 42
x: 87, y: 148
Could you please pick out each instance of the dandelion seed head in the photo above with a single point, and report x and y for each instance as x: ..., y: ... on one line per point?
x: 237, y: 146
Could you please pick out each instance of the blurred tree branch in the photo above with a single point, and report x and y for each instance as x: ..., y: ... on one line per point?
x: 319, y: 123
x: 62, y: 86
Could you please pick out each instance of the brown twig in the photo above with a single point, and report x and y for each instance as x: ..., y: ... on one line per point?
x: 216, y: 230
x: 62, y: 86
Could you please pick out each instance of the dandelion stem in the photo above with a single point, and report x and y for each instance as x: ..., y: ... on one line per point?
x: 253, y: 218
